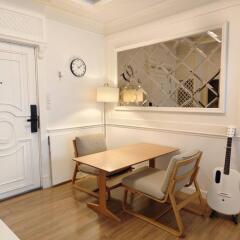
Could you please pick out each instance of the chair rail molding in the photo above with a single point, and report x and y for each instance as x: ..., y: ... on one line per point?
x: 197, y: 129
x: 61, y: 129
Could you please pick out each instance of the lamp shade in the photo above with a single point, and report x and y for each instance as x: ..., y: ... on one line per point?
x: 107, y: 94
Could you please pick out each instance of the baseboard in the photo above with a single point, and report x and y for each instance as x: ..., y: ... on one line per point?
x: 46, y: 181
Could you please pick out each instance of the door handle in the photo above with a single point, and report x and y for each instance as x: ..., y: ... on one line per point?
x: 34, y: 119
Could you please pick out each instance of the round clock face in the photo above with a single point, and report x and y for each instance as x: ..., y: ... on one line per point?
x: 78, y: 67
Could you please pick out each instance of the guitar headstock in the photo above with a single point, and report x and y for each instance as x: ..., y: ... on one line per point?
x: 231, y: 132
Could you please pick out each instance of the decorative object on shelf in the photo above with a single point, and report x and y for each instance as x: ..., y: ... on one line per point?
x: 107, y: 94
x: 133, y: 95
x: 186, y: 72
x: 224, y: 193
x: 78, y: 67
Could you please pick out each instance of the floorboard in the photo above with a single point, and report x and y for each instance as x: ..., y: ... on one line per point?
x: 61, y: 213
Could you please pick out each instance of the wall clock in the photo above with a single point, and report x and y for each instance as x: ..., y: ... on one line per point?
x: 78, y: 67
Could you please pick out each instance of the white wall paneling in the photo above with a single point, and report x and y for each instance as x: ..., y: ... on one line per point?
x: 213, y: 147
x: 62, y: 151
x: 194, y: 130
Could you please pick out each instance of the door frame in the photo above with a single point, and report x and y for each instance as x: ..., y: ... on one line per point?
x: 40, y: 72
x: 39, y: 43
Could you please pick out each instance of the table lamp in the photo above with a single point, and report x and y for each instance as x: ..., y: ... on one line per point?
x: 107, y: 94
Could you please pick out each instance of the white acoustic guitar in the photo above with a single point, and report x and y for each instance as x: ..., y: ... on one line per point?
x: 224, y: 193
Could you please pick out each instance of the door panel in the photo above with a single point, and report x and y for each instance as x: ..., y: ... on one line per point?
x: 19, y: 148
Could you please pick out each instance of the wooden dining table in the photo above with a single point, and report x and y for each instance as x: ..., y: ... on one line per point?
x: 116, y: 159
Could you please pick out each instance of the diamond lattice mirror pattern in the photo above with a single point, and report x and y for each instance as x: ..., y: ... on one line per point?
x: 180, y: 73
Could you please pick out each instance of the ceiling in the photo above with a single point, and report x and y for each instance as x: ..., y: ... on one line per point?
x: 117, y: 15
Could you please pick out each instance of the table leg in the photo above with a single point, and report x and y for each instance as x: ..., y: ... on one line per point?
x: 152, y: 163
x: 101, y: 207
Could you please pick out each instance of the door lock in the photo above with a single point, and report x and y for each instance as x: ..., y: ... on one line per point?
x: 34, y: 119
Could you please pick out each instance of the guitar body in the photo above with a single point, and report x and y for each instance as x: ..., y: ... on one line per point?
x: 224, y: 193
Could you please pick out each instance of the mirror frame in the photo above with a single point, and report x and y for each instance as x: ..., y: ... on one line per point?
x: 223, y: 75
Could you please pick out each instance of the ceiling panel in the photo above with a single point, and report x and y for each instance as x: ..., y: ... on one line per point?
x: 113, y: 12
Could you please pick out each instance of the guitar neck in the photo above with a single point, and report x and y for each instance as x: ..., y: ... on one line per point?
x: 228, y: 156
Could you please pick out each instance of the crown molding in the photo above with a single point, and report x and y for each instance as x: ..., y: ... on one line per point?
x: 152, y: 14
x: 162, y: 12
x: 74, y: 20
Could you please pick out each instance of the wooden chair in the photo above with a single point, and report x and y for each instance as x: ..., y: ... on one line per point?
x: 161, y: 186
x: 90, y: 144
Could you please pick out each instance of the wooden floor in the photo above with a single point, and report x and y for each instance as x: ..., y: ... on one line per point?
x: 60, y: 213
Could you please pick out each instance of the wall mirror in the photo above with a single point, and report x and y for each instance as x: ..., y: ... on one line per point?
x: 182, y: 74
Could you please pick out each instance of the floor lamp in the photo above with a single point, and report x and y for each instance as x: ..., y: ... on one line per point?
x: 107, y: 94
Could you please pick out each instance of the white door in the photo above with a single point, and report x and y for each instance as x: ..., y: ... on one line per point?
x: 19, y: 148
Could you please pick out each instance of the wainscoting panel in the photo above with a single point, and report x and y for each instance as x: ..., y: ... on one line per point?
x: 62, y: 151
x: 213, y: 147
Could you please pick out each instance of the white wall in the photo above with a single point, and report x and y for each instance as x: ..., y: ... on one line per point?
x: 203, y: 131
x: 71, y: 102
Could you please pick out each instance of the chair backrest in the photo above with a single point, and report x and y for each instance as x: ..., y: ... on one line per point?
x: 89, y: 144
x: 181, y: 169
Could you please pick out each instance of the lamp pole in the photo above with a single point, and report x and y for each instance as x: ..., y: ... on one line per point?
x: 104, y: 119
x: 105, y: 95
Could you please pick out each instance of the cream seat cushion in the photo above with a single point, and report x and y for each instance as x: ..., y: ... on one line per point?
x: 147, y: 180
x: 155, y: 182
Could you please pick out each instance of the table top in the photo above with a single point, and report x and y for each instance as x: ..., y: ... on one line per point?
x: 116, y: 159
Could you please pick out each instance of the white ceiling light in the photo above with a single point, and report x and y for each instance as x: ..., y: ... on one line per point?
x: 90, y: 2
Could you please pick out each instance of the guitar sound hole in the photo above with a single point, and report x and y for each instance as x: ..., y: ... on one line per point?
x: 218, y: 176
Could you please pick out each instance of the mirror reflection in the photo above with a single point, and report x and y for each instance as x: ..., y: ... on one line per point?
x: 184, y: 72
